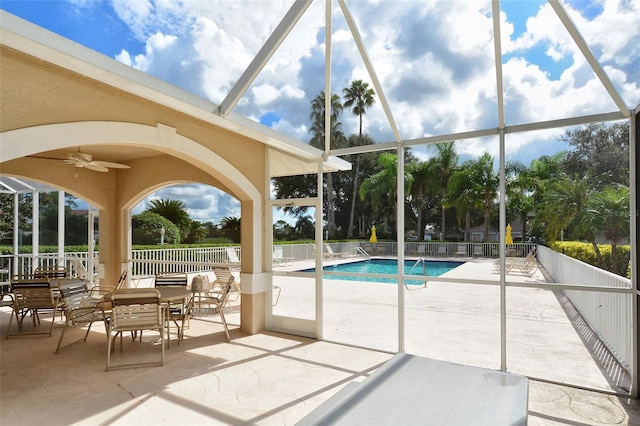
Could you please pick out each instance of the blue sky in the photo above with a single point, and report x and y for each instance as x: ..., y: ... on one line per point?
x: 434, y: 60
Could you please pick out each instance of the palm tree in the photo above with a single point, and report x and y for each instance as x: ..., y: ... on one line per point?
x: 197, y: 232
x: 381, y: 185
x: 519, y: 191
x: 423, y: 173
x: 608, y: 211
x: 485, y: 187
x: 175, y: 211
x: 562, y: 204
x: 359, y: 97
x: 463, y: 196
x: 446, y: 164
x: 305, y: 227
x: 317, y: 116
x: 231, y: 227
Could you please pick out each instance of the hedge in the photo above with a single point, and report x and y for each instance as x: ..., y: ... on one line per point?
x: 585, y: 253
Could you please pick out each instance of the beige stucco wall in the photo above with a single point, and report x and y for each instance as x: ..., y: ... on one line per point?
x: 34, y: 94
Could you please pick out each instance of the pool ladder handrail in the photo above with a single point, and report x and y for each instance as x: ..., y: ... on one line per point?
x: 422, y: 261
x: 363, y: 252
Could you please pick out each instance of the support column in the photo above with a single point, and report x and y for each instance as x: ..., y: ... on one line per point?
x: 35, y: 228
x: 61, y: 228
x: 634, y: 160
x: 16, y: 232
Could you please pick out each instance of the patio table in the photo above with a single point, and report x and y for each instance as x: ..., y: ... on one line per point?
x: 168, y: 295
x: 409, y: 389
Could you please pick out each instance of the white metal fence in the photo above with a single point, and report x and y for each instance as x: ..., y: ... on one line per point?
x: 158, y: 261
x: 77, y: 263
x: 608, y: 313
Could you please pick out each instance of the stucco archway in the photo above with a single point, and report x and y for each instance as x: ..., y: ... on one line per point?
x: 170, y: 158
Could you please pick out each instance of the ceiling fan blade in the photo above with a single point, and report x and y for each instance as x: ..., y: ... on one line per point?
x: 96, y: 167
x: 62, y: 162
x: 110, y: 165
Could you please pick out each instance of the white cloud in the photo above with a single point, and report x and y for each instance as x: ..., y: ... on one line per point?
x: 203, y: 203
x: 434, y: 60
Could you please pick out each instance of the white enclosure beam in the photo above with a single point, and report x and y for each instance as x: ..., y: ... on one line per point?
x: 497, y: 51
x: 260, y: 60
x: 372, y: 72
x: 595, y: 65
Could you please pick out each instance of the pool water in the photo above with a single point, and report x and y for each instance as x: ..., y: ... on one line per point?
x: 388, y: 266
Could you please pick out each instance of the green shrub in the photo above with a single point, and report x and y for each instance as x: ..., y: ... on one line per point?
x: 585, y: 253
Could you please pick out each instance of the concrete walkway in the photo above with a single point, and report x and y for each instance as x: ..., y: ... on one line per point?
x: 264, y: 379
x: 277, y: 379
x: 459, y: 322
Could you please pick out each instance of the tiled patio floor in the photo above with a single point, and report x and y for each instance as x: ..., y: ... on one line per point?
x: 266, y: 379
x: 277, y: 379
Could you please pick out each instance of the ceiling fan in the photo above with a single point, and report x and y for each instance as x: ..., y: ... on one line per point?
x: 83, y: 160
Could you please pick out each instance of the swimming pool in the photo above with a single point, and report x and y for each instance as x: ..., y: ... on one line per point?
x: 434, y: 268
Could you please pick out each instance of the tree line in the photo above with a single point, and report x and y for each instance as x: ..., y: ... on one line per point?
x: 578, y: 194
x: 581, y: 193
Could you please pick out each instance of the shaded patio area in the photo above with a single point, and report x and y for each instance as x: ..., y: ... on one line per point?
x: 266, y: 379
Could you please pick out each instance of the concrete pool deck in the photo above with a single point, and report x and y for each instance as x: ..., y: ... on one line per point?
x: 277, y: 379
x: 459, y: 322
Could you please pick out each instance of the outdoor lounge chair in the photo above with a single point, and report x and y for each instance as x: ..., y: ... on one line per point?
x: 462, y: 250
x: 30, y: 296
x: 526, y: 265
x: 421, y: 251
x: 279, y: 259
x: 232, y: 256
x: 329, y: 254
x: 80, y: 308
x: 478, y: 250
x: 135, y: 309
x: 442, y: 250
x: 333, y: 255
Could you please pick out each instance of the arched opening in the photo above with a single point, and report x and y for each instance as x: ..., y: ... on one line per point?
x: 157, y: 156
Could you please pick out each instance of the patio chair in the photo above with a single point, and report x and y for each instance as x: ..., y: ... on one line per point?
x: 31, y: 295
x: 421, y: 251
x: 218, y: 296
x: 178, y: 312
x: 330, y: 254
x: 233, y: 256
x: 279, y: 259
x: 442, y: 250
x: 135, y: 309
x: 223, y: 275
x: 477, y: 250
x: 57, y: 272
x: 462, y: 250
x: 102, y: 290
x: 80, y: 306
x: 526, y: 265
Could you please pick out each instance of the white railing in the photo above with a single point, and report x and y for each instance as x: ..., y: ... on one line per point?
x: 77, y: 263
x: 156, y: 261
x: 161, y: 261
x: 431, y: 248
x: 609, y: 314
